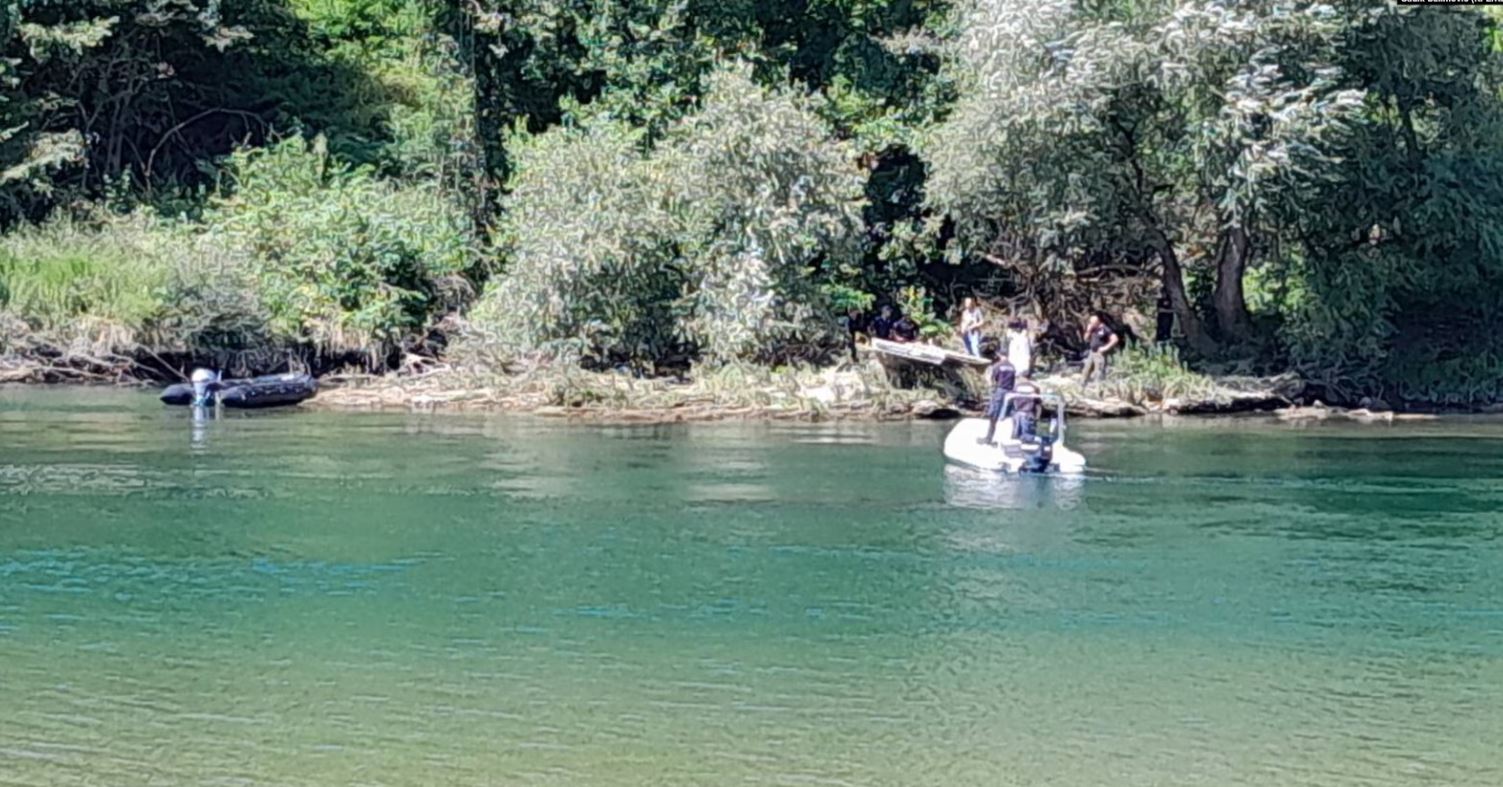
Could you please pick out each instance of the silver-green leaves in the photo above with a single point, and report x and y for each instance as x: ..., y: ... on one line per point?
x: 702, y: 246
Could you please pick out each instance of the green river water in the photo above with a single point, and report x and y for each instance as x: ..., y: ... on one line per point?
x: 315, y: 598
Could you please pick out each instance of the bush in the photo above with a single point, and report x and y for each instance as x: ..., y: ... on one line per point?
x: 705, y: 246
x: 342, y: 260
x: 592, y: 268
x: 303, y: 252
x: 918, y: 306
x: 114, y: 283
x: 60, y: 275
x: 1144, y: 373
x: 763, y: 194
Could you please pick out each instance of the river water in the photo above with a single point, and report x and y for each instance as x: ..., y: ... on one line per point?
x: 312, y: 598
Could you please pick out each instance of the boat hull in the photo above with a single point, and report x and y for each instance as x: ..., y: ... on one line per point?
x: 962, y: 446
x: 277, y: 390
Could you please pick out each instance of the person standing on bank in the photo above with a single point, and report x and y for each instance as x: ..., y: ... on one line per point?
x: 971, y: 321
x: 881, y: 325
x: 905, y: 330
x: 1020, y: 347
x: 1164, y: 329
x: 853, y: 325
x: 1102, y: 340
x: 1003, y: 377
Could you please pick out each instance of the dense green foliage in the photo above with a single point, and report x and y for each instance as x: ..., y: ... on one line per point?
x: 1312, y: 185
x: 1344, y: 157
x: 105, y: 285
x: 1402, y: 263
x: 342, y: 260
x: 706, y: 245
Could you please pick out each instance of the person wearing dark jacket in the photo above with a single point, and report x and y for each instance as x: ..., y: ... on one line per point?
x: 904, y: 330
x: 1003, y: 377
x: 881, y: 326
x: 853, y: 325
x: 1101, y: 340
x: 1164, y: 329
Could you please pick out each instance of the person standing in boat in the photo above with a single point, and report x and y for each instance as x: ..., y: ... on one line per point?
x: 1101, y: 340
x: 1003, y: 377
x: 971, y: 321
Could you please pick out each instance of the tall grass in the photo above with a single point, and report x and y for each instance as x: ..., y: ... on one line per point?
x: 305, y: 254
x: 117, y: 283
x: 68, y: 281
x: 1144, y: 373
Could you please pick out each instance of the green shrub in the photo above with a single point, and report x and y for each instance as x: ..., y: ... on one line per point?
x: 1144, y: 373
x: 342, y: 260
x: 918, y: 306
x: 114, y: 283
x: 58, y: 274
x: 592, y: 269
x: 705, y: 245
x: 761, y: 193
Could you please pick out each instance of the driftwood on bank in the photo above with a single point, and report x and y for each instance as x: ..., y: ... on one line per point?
x: 68, y: 367
x: 850, y: 392
x: 892, y: 353
x: 1218, y: 396
x: 1239, y: 395
x: 1320, y: 412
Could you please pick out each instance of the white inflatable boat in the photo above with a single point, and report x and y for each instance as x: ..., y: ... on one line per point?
x: 1021, y: 444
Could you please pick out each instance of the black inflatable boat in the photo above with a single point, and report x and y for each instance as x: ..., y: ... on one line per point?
x: 277, y: 390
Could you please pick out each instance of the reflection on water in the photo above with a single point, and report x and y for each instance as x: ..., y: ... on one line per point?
x: 311, y: 598
x: 200, y: 417
x: 970, y: 488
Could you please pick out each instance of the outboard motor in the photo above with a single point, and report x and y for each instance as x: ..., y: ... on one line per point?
x: 1037, y: 446
x: 204, y: 385
x: 1037, y: 458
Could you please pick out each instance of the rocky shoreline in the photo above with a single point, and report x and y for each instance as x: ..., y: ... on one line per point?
x: 850, y: 392
x: 843, y: 393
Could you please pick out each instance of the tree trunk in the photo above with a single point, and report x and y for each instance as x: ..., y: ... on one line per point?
x: 1232, y: 319
x: 479, y: 47
x: 1174, y: 284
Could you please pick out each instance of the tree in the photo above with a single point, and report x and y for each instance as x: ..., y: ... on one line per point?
x: 706, y: 246
x: 1402, y: 239
x: 108, y: 92
x: 646, y: 62
x: 1160, y: 130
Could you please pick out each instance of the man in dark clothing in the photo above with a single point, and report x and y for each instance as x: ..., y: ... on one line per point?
x: 1003, y: 377
x: 1102, y: 340
x: 904, y: 330
x: 1164, y: 330
x: 1025, y: 418
x: 853, y: 326
x: 882, y: 324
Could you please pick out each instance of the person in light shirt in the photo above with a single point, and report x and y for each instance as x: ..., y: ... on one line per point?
x: 1020, y: 347
x: 971, y: 321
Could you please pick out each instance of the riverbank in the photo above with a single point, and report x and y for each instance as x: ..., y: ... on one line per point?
x: 865, y: 391
x: 846, y: 392
x: 853, y: 391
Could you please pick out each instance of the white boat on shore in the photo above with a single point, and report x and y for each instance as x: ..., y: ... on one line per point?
x: 1040, y: 449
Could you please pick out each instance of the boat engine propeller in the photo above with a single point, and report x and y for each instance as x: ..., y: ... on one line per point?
x: 1037, y: 457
